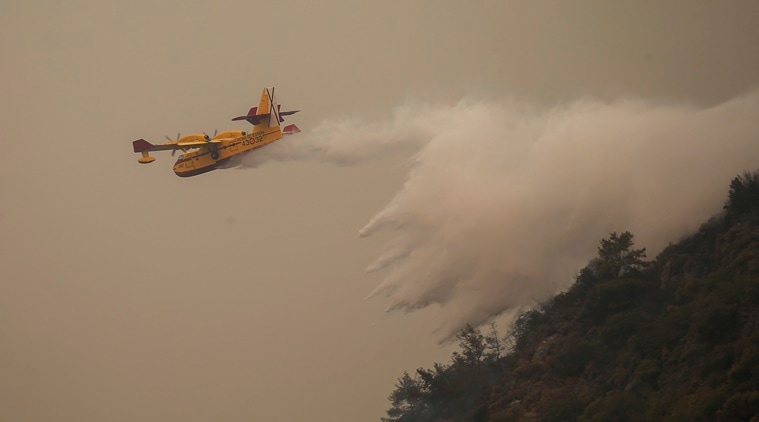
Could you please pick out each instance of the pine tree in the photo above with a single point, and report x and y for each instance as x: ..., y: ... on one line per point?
x: 616, y: 258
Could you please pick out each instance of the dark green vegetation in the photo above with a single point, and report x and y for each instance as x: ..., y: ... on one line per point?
x: 674, y: 339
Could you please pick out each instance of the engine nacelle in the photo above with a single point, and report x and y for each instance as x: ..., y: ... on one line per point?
x: 230, y: 134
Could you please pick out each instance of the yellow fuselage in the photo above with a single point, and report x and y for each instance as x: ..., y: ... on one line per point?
x: 207, y: 158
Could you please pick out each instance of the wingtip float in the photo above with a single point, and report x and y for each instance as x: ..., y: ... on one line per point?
x: 203, y: 153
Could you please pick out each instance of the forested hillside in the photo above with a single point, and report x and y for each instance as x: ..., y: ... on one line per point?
x: 675, y: 338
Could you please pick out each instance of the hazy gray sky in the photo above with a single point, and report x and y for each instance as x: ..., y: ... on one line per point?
x: 127, y: 293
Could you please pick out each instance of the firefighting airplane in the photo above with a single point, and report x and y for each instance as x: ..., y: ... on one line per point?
x: 203, y: 153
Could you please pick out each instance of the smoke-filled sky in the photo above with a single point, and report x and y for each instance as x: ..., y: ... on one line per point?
x: 481, y: 152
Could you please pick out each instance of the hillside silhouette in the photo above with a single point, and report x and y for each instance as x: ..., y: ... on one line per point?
x: 674, y: 339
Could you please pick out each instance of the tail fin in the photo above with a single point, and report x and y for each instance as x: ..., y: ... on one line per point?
x: 266, y: 102
x: 267, y: 113
x: 143, y: 147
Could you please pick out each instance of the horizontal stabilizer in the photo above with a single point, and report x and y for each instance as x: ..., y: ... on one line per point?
x: 261, y: 113
x: 254, y: 119
x: 284, y: 113
x: 252, y: 113
x: 290, y: 129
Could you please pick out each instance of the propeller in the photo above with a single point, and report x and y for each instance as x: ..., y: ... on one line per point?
x: 173, y: 151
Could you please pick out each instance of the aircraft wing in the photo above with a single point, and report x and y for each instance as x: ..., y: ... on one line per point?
x: 143, y: 145
x: 193, y: 144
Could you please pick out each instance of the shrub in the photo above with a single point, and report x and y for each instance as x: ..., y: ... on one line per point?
x: 648, y: 372
x: 747, y: 366
x: 568, y: 408
x: 614, y: 407
x: 618, y: 328
x: 699, y: 406
x: 716, y: 322
x: 573, y: 357
x: 740, y: 407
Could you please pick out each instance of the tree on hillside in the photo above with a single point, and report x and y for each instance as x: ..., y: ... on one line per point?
x: 524, y: 325
x: 473, y: 346
x: 743, y: 196
x: 617, y: 258
x: 409, y: 400
x: 448, y: 389
x: 496, y: 345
